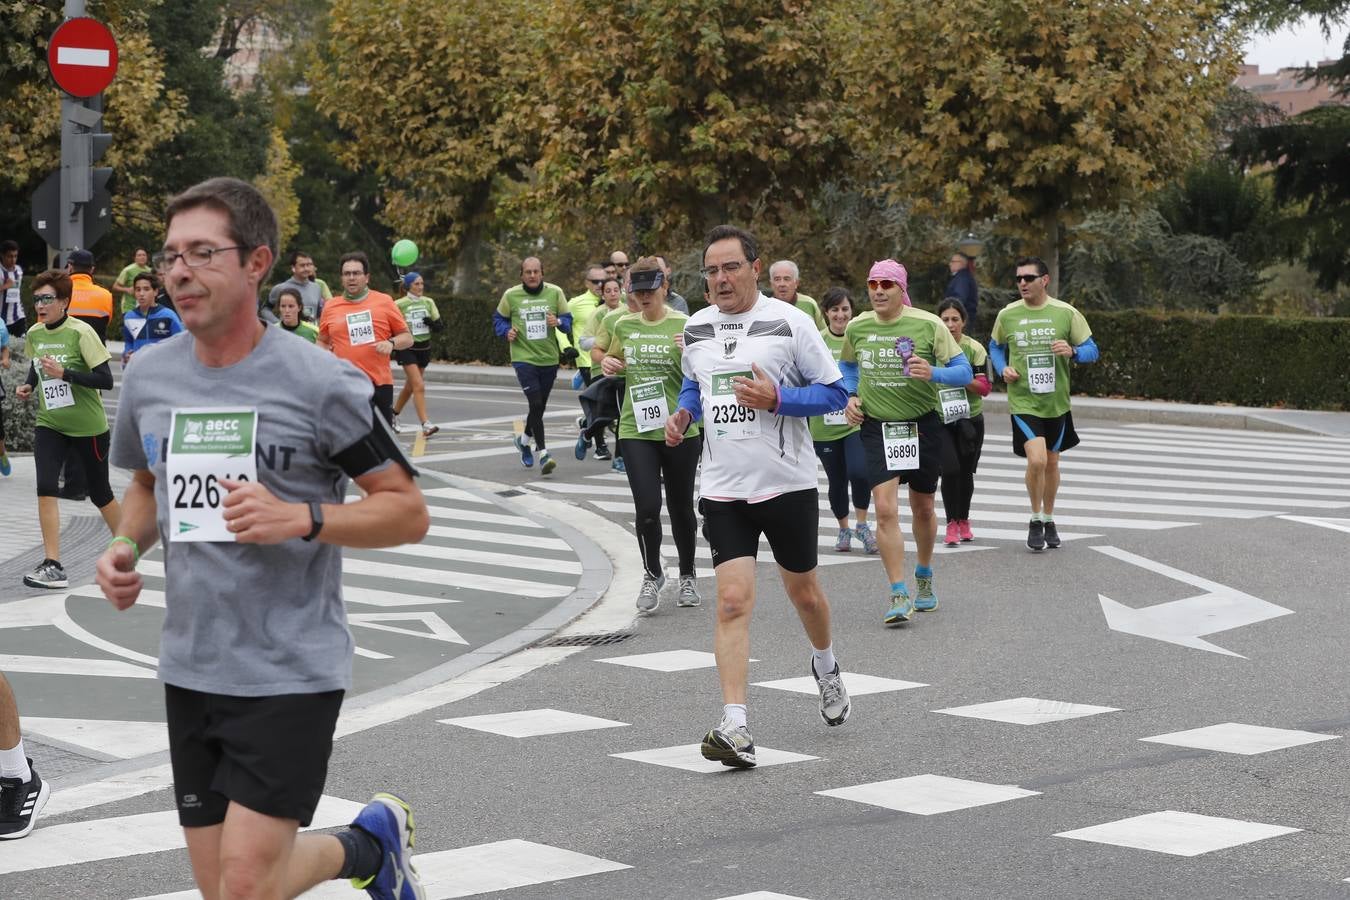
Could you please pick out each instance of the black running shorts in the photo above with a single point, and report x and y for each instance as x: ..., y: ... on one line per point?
x: 789, y: 521
x: 268, y: 754
x: 932, y: 446
x: 414, y: 356
x: 1058, y: 433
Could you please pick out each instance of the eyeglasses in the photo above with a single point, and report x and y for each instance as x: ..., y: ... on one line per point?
x: 194, y: 258
x: 596, y: 280
x: 621, y: 265
x: 44, y: 299
x: 884, y: 284
x: 354, y: 273
x: 1027, y: 279
x: 730, y: 268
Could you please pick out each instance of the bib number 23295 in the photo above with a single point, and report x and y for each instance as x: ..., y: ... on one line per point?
x: 1041, y: 372
x: 900, y: 441
x: 206, y: 447
x: 726, y: 419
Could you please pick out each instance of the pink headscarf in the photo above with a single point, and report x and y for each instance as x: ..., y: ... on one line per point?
x: 889, y: 268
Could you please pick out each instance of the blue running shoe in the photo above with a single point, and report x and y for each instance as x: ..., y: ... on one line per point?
x: 389, y: 821
x: 577, y: 381
x: 901, y: 608
x: 526, y: 454
x: 924, y: 598
x: 5, y: 468
x: 582, y: 445
x: 618, y: 465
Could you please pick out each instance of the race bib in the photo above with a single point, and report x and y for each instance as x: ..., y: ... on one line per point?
x: 650, y: 409
x: 725, y: 419
x: 417, y: 323
x: 955, y: 405
x: 56, y: 394
x: 834, y: 418
x: 360, y: 328
x: 1041, y: 372
x: 207, y: 446
x: 536, y: 325
x: 900, y: 441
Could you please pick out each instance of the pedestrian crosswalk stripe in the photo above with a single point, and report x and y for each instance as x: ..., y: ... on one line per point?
x: 496, y: 537
x: 457, y: 494
x: 1018, y: 473
x: 1189, y: 462
x: 1210, y: 454
x: 457, y: 580
x: 1160, y: 509
x: 463, y: 517
x: 1081, y: 463
x: 1017, y: 486
x: 1223, y: 445
x: 409, y: 553
x: 1291, y: 437
x: 67, y: 665
x: 106, y: 737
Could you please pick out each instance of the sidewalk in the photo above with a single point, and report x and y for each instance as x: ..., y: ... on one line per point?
x: 1334, y: 424
x: 18, y: 497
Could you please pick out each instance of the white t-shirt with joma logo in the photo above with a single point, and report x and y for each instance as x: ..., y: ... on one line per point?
x: 751, y: 454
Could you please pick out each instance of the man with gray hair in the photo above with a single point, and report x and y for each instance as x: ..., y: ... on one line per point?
x: 784, y: 278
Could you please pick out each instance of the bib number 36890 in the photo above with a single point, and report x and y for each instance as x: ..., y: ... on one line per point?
x: 206, y: 447
x: 1041, y: 372
x: 900, y: 441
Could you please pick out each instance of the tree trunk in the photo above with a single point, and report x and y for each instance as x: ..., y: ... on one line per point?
x: 1050, y: 237
x: 468, y: 264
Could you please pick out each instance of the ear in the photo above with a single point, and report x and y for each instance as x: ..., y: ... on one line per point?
x: 259, y: 263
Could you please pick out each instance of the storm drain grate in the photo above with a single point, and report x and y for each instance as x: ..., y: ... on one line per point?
x: 586, y: 640
x: 511, y: 493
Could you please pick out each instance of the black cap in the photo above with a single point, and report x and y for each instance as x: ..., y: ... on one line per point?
x: 81, y: 258
x: 647, y: 281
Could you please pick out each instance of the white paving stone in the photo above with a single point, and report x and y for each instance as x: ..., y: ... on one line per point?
x: 770, y: 895
x: 857, y: 684
x: 689, y: 758
x: 667, y: 660
x: 1177, y: 833
x: 1027, y: 711
x: 1234, y: 737
x: 927, y: 795
x: 533, y: 722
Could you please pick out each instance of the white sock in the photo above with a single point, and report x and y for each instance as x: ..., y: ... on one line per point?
x: 14, y: 763
x: 734, y: 713
x: 823, y: 660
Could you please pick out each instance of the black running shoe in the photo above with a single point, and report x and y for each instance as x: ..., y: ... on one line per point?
x: 602, y: 452
x: 20, y: 803
x: 1036, y: 535
x: 1051, y: 536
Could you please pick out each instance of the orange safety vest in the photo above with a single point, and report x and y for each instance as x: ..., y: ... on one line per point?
x: 88, y: 299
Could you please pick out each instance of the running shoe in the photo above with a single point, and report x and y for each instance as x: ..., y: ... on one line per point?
x: 389, y: 821
x: 649, y: 597
x: 924, y: 598
x: 602, y: 452
x: 579, y: 449
x: 864, y: 533
x: 428, y: 429
x: 1051, y: 536
x: 731, y: 745
x: 834, y: 702
x: 398, y: 426
x: 547, y: 463
x: 20, y: 803
x: 526, y: 455
x: 901, y: 608
x: 581, y: 422
x: 844, y: 543
x: 966, y: 534
x: 5, y: 468
x: 47, y: 574
x: 1036, y: 535
x: 688, y: 595
x: 953, y: 534
x: 618, y: 465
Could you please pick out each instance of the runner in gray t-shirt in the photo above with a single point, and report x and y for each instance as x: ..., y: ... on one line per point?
x: 245, y: 485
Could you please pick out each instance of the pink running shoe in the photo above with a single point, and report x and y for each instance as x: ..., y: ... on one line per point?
x: 964, y: 526
x: 953, y: 534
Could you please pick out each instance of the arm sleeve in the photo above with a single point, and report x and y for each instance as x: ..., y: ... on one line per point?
x: 100, y: 379
x: 32, y: 378
x: 998, y: 353
x: 690, y: 399
x: 1086, y: 352
x: 500, y: 324
x: 811, y: 399
x: 850, y: 372
x: 565, y: 323
x: 956, y: 372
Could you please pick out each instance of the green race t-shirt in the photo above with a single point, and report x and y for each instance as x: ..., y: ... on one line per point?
x: 125, y: 278
x: 419, y: 313
x: 653, y: 374
x: 886, y: 392
x: 809, y: 306
x: 1042, y: 388
x: 978, y: 357
x: 307, y: 330
x: 836, y: 427
x: 604, y: 332
x: 535, y: 342
x: 76, y: 347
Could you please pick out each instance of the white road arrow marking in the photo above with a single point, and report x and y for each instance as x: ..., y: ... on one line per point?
x: 1185, y: 622
x: 437, y: 629
x: 1333, y: 524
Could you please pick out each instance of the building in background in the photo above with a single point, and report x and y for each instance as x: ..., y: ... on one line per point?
x: 1285, y: 90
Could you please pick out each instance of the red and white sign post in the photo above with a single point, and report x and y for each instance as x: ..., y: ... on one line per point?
x: 82, y: 56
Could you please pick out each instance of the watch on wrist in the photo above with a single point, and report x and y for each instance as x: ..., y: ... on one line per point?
x: 316, y: 520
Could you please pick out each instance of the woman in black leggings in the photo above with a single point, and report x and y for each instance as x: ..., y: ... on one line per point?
x: 647, y: 347
x: 962, y: 413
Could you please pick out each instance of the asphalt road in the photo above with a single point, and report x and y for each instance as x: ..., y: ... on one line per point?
x: 1088, y: 790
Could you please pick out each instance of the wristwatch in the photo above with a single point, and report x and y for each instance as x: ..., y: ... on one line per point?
x: 316, y: 518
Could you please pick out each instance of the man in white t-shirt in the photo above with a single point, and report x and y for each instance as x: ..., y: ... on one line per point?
x: 754, y: 369
x: 11, y: 277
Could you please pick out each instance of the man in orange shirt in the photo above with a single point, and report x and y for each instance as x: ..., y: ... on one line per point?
x: 365, y: 327
x: 89, y: 303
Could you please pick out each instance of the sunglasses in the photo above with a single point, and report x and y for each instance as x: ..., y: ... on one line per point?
x: 44, y: 299
x: 1027, y: 279
x: 884, y: 284
x: 596, y: 280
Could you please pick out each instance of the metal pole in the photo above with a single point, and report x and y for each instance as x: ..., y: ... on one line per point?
x: 71, y: 231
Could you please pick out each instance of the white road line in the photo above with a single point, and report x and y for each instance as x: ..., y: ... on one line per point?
x: 1291, y: 436
x: 69, y: 627
x: 63, y: 665
x: 119, y: 739
x: 507, y: 560
x: 503, y: 537
x: 1080, y: 462
x: 1186, y: 463
x: 464, y: 580
x: 450, y: 493
x: 467, y: 517
x: 1018, y: 473
x: 1237, y: 499
x: 1225, y: 445
x: 1142, y: 445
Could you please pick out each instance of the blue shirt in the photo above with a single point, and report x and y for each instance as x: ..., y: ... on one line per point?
x: 140, y: 329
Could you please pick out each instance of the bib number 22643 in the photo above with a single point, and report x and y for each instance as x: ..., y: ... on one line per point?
x: 206, y: 447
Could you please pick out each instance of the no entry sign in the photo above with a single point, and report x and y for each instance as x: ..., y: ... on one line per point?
x: 82, y: 56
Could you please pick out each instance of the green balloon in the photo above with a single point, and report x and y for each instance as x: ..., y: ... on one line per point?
x: 404, y: 253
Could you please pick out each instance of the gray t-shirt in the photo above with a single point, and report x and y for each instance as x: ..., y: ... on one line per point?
x: 252, y: 620
x: 311, y: 297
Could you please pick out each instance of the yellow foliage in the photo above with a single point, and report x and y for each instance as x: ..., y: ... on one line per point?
x: 277, y: 184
